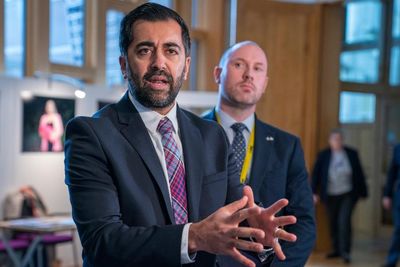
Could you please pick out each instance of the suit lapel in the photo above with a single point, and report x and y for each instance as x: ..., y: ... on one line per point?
x: 264, y: 156
x: 137, y: 135
x: 192, y: 155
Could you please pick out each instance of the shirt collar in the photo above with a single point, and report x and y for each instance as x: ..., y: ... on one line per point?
x: 227, y: 121
x: 151, y: 118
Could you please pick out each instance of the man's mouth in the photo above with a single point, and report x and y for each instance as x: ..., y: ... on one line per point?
x: 158, y: 81
x: 247, y: 86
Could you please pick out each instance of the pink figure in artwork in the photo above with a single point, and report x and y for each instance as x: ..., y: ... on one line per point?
x: 51, y: 128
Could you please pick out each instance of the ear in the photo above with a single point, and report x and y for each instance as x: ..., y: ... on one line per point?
x: 187, y: 68
x: 217, y: 74
x: 122, y: 64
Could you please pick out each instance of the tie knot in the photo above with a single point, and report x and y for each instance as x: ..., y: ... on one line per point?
x: 238, y: 127
x: 165, y: 126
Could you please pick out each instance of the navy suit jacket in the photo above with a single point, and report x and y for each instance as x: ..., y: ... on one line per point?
x: 321, y: 170
x: 393, y: 177
x: 278, y: 171
x: 118, y: 192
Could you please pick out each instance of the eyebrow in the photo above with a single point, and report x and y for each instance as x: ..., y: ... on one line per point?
x: 242, y: 59
x: 152, y: 44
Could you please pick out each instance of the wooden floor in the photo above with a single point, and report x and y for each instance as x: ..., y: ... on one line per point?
x: 366, y: 253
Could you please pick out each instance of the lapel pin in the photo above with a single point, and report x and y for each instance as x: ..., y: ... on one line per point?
x: 269, y: 138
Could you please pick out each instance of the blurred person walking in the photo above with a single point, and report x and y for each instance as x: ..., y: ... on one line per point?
x: 339, y: 181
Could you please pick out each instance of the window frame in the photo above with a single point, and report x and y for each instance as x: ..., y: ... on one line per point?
x: 384, y: 44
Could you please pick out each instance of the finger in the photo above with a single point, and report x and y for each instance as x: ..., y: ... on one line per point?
x: 237, y: 205
x: 283, y: 235
x: 285, y: 220
x: 248, y: 245
x: 247, y: 191
x: 241, y: 259
x: 246, y: 232
x: 276, y: 207
x: 278, y: 250
x: 243, y: 214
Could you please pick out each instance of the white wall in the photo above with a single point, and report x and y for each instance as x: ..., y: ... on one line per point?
x: 45, y: 171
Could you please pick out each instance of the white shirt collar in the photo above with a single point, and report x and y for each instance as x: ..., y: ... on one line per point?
x: 151, y: 118
x: 227, y: 120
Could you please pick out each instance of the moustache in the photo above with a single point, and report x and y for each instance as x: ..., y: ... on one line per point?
x: 148, y: 75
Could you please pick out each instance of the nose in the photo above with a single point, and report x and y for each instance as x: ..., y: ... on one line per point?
x: 158, y: 60
x: 247, y: 75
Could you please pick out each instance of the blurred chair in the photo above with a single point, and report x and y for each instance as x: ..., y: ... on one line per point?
x: 7, y: 256
x: 26, y: 202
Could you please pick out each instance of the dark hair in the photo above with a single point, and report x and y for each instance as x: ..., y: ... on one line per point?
x: 150, y: 12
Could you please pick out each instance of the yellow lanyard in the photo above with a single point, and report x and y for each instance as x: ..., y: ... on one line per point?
x: 249, y: 153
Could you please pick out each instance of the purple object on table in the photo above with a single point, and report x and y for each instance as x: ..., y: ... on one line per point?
x: 47, y: 239
x: 15, y: 244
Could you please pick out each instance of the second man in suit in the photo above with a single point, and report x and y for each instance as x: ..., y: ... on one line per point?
x: 271, y: 161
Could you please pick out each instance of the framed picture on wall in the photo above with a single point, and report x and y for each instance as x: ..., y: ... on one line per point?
x: 44, y: 120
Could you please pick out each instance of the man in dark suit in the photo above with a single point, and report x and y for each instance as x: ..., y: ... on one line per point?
x: 339, y: 180
x: 391, y: 200
x: 148, y: 181
x: 271, y: 160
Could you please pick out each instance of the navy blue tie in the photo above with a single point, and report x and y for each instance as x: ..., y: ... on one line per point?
x: 239, y: 144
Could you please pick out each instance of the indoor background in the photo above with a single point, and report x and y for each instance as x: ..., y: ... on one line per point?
x: 331, y: 63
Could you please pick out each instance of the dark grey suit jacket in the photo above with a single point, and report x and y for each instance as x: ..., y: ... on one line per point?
x: 278, y: 171
x: 118, y: 192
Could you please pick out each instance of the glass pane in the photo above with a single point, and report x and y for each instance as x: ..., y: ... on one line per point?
x: 396, y: 19
x: 363, y: 21
x: 167, y: 3
x: 360, y: 66
x: 67, y: 20
x: 113, y: 71
x: 357, y: 107
x: 395, y: 66
x: 14, y: 37
x: 193, y: 65
x: 195, y: 13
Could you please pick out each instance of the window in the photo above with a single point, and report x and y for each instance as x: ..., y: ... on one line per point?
x: 395, y: 67
x: 67, y: 21
x: 363, y: 21
x: 395, y: 51
x: 193, y: 66
x: 14, y: 37
x: 113, y: 72
x: 360, y: 66
x: 361, y: 56
x: 396, y: 19
x: 357, y: 107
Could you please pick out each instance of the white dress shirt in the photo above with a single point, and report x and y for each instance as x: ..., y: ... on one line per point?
x: 226, y: 122
x: 151, y: 119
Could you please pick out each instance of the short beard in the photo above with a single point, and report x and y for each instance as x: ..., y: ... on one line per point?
x: 147, y: 96
x: 230, y: 100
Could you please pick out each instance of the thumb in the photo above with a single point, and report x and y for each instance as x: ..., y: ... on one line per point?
x: 247, y: 191
x: 237, y: 205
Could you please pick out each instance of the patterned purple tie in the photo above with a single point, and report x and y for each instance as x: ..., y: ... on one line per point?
x: 175, y: 169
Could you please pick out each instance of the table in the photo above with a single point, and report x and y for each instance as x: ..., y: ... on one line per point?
x: 37, y: 226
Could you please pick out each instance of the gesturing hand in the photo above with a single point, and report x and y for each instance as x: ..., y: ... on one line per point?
x: 270, y: 224
x: 219, y: 233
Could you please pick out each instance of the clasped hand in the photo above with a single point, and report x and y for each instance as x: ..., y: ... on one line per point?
x: 220, y: 233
